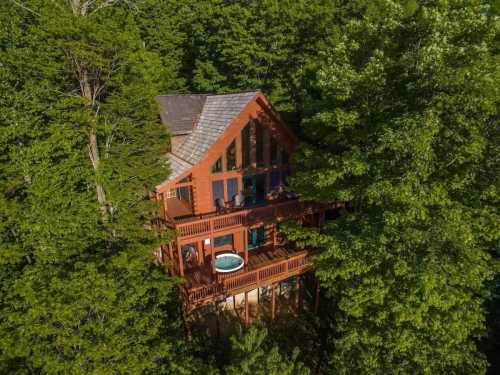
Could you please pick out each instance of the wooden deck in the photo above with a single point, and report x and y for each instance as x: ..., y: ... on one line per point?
x: 212, y: 223
x: 265, y: 265
x: 202, y: 275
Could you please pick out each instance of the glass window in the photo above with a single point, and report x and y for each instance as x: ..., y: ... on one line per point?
x: 232, y: 188
x: 217, y: 167
x: 274, y: 151
x: 275, y: 180
x: 256, y: 237
x: 284, y: 156
x: 223, y: 240
x: 260, y: 188
x: 217, y: 190
x: 259, y: 144
x: 231, y: 157
x: 246, y: 146
x: 184, y: 193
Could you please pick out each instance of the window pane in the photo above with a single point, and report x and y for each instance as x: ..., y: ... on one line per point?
x: 217, y: 190
x: 231, y: 156
x: 248, y: 190
x: 275, y: 180
x: 184, y: 193
x: 223, y: 240
x: 259, y: 144
x: 260, y: 188
x: 284, y: 156
x: 232, y: 188
x: 217, y: 167
x: 274, y: 151
x: 246, y: 146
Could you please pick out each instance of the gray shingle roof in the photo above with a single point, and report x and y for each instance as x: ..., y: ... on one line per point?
x: 180, y: 112
x: 177, y: 165
x: 217, y: 113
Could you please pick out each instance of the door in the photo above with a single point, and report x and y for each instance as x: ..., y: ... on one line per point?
x: 256, y: 237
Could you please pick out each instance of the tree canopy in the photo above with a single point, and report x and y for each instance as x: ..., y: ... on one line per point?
x: 402, y: 125
x: 396, y: 105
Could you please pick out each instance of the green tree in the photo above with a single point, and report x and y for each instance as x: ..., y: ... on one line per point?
x: 402, y: 126
x: 244, y: 45
x: 81, y: 148
x: 251, y: 353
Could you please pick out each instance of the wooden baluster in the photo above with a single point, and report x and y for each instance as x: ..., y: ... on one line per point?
x: 273, y: 301
x: 246, y: 308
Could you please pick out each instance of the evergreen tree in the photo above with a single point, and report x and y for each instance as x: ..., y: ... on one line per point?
x: 402, y: 126
x: 244, y: 45
x: 251, y: 354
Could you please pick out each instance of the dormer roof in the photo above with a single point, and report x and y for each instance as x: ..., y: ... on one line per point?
x: 179, y: 113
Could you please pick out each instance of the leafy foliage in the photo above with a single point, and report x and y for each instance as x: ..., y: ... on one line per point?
x: 79, y: 291
x: 401, y: 126
x: 251, y: 354
x: 400, y: 108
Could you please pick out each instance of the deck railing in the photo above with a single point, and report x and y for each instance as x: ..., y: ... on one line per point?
x: 288, y: 209
x: 255, y: 277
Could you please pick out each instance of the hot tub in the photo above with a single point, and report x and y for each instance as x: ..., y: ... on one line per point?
x: 228, y: 262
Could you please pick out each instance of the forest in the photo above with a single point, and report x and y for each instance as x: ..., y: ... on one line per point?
x: 395, y: 103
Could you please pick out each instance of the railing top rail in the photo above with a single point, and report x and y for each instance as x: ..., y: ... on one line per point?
x: 237, y: 211
x: 300, y: 255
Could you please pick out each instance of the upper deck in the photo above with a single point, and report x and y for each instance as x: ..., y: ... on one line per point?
x: 219, y: 223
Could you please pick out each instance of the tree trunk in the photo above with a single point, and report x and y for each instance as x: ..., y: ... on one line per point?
x: 94, y: 158
x: 88, y: 92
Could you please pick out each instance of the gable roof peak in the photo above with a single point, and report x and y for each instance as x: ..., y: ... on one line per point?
x: 209, y: 116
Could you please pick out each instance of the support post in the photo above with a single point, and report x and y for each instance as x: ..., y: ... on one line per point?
x: 212, y: 253
x: 273, y: 301
x: 316, y: 300
x: 170, y: 251
x: 199, y: 246
x: 181, y: 260
x: 297, y: 294
x: 217, y: 314
x: 185, y: 318
x: 246, y: 308
x: 245, y: 245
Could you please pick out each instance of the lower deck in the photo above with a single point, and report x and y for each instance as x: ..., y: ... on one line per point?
x: 265, y: 266
x: 202, y: 275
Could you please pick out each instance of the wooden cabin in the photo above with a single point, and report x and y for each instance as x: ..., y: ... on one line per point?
x: 227, y: 195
